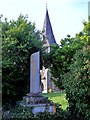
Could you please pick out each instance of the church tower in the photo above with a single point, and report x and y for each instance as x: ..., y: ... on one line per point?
x: 48, y: 41
x: 47, y: 33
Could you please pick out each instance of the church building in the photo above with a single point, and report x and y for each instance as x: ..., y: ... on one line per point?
x: 49, y: 40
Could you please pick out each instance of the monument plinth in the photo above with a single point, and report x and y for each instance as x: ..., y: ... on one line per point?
x: 35, y: 99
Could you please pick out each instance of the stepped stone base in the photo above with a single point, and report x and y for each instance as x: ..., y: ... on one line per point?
x: 41, y: 108
x: 38, y: 104
x: 35, y: 99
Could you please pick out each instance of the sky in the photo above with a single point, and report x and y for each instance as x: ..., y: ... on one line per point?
x: 66, y: 16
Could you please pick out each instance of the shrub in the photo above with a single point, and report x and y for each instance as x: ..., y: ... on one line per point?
x: 77, y: 85
x: 25, y: 113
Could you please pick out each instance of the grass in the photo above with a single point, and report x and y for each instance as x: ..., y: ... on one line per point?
x: 59, y: 97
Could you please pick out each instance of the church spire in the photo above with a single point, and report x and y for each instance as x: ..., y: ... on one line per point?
x: 47, y: 30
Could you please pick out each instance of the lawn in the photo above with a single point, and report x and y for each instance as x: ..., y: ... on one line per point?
x: 58, y: 97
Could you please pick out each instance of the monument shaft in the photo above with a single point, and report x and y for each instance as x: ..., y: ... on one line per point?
x: 35, y: 73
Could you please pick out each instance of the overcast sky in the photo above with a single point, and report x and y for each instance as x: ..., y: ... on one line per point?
x: 66, y: 16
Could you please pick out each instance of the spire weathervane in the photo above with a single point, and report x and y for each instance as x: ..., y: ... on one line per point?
x: 46, y: 6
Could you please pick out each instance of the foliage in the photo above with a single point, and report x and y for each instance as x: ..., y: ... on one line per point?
x: 77, y: 84
x: 24, y: 113
x: 19, y: 40
x: 19, y: 112
x: 61, y: 58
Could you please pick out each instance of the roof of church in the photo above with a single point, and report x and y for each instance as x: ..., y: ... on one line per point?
x: 47, y: 30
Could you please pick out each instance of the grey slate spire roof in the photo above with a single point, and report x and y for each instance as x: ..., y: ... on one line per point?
x: 47, y: 32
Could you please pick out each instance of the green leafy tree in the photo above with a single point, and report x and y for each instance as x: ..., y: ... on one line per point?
x: 77, y: 84
x: 61, y: 57
x: 77, y: 80
x: 19, y: 40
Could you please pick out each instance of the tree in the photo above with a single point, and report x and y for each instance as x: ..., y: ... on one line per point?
x: 19, y: 40
x: 61, y: 57
x: 77, y: 84
x: 77, y: 80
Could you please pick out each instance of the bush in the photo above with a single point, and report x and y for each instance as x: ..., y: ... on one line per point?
x: 25, y: 113
x: 19, y: 113
x: 77, y: 85
x: 19, y: 40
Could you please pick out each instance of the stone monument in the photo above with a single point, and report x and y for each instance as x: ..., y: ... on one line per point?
x: 35, y: 74
x: 35, y: 99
